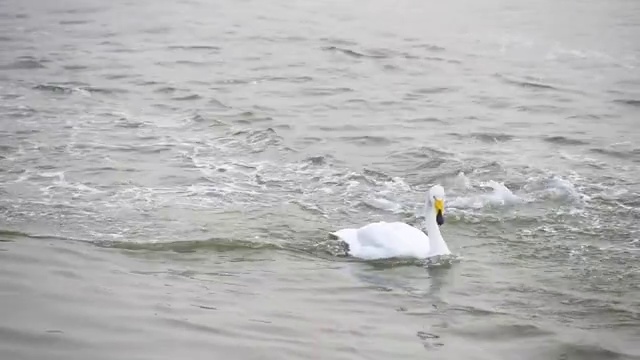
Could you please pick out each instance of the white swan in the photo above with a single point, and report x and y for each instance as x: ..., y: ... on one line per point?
x: 396, y: 239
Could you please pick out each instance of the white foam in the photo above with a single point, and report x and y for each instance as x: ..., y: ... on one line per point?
x: 383, y: 204
x: 501, y: 195
x: 560, y: 188
x: 462, y: 181
x: 554, y: 188
x: 81, y: 91
x: 58, y: 174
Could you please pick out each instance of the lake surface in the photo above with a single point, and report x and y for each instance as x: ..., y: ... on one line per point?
x: 170, y: 171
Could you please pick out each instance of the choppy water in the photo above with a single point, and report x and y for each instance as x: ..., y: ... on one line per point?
x: 170, y: 171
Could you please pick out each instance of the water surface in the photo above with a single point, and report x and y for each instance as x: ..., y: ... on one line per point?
x: 170, y: 172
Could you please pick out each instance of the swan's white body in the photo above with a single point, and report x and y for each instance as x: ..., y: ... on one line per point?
x: 396, y: 239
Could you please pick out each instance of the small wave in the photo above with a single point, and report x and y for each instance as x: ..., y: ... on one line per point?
x: 75, y: 67
x: 562, y: 140
x: 78, y: 10
x: 22, y: 112
x: 633, y: 154
x: 24, y: 64
x: 317, y: 91
x: 367, y: 140
x: 492, y: 137
x: 12, y: 234
x: 317, y: 160
x: 339, y: 41
x: 254, y: 120
x: 429, y: 47
x: 443, y: 261
x: 526, y: 84
x: 212, y: 244
x: 585, y: 117
x: 588, y: 352
x: 129, y: 124
x: 101, y: 90
x: 426, y: 120
x: 260, y: 140
x: 290, y: 79
x: 493, y: 102
x: 350, y: 52
x: 441, y: 59
x: 54, y: 88
x: 541, y: 109
x: 505, y: 331
x: 69, y: 88
x: 197, y: 118
x: 235, y: 81
x: 385, y: 53
x: 188, y: 97
x: 6, y: 149
x: 194, y: 47
x: 166, y: 90
x: 73, y: 22
x: 157, y: 30
x: 422, y: 152
x: 184, y: 62
x: 10, y: 96
x: 435, y: 90
x: 247, y: 117
x: 630, y: 102
x: 345, y: 127
x: 217, y: 103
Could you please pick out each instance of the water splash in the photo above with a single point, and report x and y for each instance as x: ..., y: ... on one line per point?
x: 500, y: 196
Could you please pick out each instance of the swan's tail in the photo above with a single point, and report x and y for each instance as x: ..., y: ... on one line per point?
x: 346, y: 237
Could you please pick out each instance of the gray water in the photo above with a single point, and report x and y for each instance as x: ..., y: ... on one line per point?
x: 170, y: 170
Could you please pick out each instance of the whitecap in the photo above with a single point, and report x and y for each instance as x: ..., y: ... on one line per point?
x: 501, y: 195
x: 461, y: 181
x: 383, y: 204
x: 562, y: 188
x: 554, y: 188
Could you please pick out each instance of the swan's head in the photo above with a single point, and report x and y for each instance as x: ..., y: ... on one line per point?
x: 436, y: 201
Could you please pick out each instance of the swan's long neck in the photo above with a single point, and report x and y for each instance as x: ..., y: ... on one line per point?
x: 437, y: 244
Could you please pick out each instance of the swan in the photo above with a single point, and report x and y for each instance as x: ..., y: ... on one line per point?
x: 396, y: 239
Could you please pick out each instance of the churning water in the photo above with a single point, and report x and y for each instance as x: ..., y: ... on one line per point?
x: 170, y: 171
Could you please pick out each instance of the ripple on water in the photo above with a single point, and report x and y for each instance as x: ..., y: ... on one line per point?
x: 563, y: 140
x: 352, y: 53
x: 24, y: 63
x: 435, y: 90
x: 632, y: 154
x: 527, y: 84
x: 492, y: 137
x: 208, y: 48
x: 191, y: 97
x: 629, y: 102
x: 326, y: 91
x: 368, y: 140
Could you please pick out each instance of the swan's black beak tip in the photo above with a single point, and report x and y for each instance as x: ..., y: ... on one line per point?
x: 439, y: 218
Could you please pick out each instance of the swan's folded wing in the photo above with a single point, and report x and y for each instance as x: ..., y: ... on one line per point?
x: 385, y: 240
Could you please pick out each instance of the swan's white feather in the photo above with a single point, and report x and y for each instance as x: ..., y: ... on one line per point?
x: 385, y: 240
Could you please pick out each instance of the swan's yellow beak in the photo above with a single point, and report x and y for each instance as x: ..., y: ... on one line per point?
x: 439, y: 205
